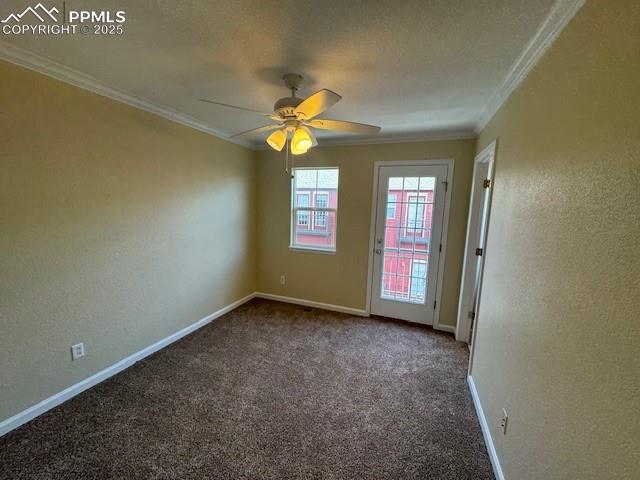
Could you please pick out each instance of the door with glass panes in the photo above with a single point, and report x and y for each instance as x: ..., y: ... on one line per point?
x: 409, y: 215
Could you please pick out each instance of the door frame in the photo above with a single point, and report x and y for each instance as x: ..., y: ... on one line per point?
x: 483, y: 169
x: 449, y: 163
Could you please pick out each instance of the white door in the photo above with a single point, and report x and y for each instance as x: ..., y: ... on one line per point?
x: 410, y: 208
x: 479, y: 207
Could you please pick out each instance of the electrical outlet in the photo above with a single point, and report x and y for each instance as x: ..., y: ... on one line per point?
x: 77, y: 351
x: 282, y: 280
x: 503, y: 421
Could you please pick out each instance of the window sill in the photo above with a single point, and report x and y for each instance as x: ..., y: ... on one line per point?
x: 323, y: 251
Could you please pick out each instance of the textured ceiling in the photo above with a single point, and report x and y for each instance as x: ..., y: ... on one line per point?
x: 412, y: 67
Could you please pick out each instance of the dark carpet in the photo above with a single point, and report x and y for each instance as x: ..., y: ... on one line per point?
x: 269, y: 391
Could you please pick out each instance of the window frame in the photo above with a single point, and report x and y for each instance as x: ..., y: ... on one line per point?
x: 312, y: 211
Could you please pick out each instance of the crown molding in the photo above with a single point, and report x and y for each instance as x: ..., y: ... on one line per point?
x: 453, y: 134
x: 428, y: 136
x: 24, y: 58
x: 559, y: 16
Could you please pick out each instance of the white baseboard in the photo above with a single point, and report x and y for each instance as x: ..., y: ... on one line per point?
x: 335, y: 308
x: 30, y: 413
x: 491, y: 449
x: 445, y: 328
x: 311, y: 303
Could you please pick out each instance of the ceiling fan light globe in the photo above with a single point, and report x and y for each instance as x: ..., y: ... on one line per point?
x: 277, y: 140
x: 299, y: 151
x: 302, y: 141
x: 302, y: 145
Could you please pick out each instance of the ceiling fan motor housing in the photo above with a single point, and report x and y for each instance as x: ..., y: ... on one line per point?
x: 285, y: 106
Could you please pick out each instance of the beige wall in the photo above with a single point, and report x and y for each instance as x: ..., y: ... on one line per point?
x: 341, y: 279
x: 558, y: 328
x: 117, y: 228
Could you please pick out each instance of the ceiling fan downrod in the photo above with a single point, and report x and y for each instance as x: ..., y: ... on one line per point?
x: 293, y: 82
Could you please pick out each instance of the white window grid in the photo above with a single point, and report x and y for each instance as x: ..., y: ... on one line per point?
x: 296, y: 210
x: 414, y: 222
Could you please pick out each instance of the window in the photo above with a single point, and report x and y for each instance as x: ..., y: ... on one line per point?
x: 418, y: 281
x: 303, y: 215
x: 415, y: 213
x: 322, y: 201
x: 314, y: 208
x: 391, y: 206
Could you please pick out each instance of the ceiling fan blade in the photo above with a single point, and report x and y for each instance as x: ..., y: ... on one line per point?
x: 343, y: 126
x: 233, y: 106
x: 317, y: 103
x: 264, y: 128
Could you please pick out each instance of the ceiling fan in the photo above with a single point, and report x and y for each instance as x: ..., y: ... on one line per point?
x: 295, y: 117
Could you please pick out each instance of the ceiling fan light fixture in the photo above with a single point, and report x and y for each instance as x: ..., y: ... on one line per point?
x: 277, y: 140
x: 295, y: 119
x: 302, y: 141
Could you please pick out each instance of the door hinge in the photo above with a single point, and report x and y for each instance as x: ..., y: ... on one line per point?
x: 434, y: 304
x: 479, y: 252
x: 446, y: 186
x: 472, y: 315
x: 486, y: 183
x: 440, y: 249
